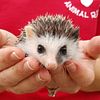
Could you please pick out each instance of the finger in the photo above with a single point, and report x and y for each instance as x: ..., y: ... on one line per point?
x: 18, y: 72
x: 64, y: 82
x: 33, y: 83
x: 3, y: 38
x: 81, y: 73
x: 7, y: 38
x: 95, y: 86
x: 92, y: 47
x: 10, y: 56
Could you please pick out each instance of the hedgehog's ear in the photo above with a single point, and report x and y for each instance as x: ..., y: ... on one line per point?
x: 75, y: 34
x: 29, y: 31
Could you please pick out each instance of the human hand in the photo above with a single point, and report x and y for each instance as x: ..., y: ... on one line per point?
x: 94, y: 51
x: 19, y: 74
x: 79, y: 74
x: 95, y: 86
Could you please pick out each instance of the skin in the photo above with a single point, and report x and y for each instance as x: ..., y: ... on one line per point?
x: 19, y: 68
x: 22, y: 74
x: 94, y: 51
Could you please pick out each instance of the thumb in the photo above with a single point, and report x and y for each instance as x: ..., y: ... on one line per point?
x: 7, y: 38
x: 93, y: 47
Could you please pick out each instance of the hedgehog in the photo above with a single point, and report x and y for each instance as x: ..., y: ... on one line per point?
x: 52, y: 40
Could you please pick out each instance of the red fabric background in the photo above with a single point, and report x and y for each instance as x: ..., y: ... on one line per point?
x: 14, y: 14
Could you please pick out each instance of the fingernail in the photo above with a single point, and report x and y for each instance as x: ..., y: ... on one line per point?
x: 15, y: 56
x: 39, y: 78
x: 31, y: 64
x: 71, y: 67
x: 43, y: 76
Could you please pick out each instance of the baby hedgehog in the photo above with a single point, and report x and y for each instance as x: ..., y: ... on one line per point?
x: 52, y: 40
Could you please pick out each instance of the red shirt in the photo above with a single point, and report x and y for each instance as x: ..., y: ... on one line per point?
x: 14, y: 15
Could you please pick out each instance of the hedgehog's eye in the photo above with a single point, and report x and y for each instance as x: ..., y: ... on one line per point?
x: 40, y: 49
x: 63, y: 50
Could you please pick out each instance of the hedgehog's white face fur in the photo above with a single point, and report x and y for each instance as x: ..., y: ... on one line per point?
x: 50, y: 50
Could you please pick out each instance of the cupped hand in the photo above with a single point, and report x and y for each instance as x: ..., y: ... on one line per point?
x: 79, y: 74
x: 19, y: 74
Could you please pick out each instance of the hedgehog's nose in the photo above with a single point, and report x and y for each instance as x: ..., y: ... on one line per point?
x: 51, y: 63
x: 51, y: 66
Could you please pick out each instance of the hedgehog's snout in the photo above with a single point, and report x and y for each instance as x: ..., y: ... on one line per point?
x: 50, y: 63
x: 51, y: 66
